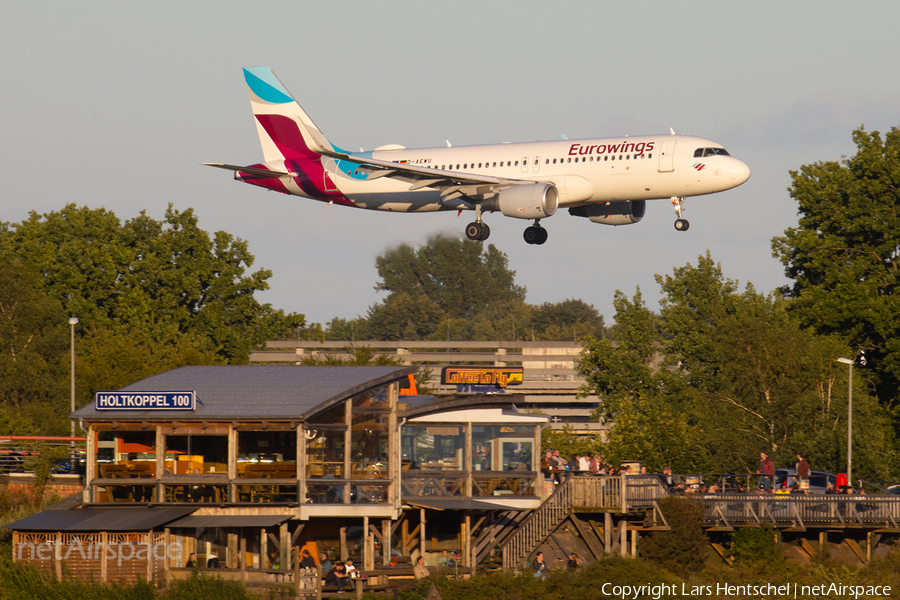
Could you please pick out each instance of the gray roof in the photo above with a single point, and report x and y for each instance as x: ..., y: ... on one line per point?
x: 253, y: 392
x: 100, y: 519
x: 230, y: 521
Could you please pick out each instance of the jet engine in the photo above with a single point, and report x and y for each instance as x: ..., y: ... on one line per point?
x: 529, y: 201
x: 612, y: 213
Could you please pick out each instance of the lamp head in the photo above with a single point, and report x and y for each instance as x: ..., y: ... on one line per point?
x: 845, y: 361
x: 73, y: 321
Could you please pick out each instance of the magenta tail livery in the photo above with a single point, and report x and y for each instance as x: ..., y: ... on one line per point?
x: 606, y: 180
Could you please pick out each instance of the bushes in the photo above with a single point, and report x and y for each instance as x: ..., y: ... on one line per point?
x: 681, y: 550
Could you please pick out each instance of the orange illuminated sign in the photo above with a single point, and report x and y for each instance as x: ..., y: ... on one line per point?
x: 496, y: 376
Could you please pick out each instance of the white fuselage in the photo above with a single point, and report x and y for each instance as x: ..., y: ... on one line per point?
x: 584, y: 171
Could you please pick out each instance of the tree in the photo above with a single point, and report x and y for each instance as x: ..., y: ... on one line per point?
x: 33, y: 355
x: 460, y: 277
x: 843, y: 256
x: 119, y: 277
x: 569, y: 319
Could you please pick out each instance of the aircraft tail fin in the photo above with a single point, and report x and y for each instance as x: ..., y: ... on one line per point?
x: 285, y: 130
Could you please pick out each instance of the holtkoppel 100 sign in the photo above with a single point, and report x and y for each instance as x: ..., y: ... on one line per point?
x: 146, y: 400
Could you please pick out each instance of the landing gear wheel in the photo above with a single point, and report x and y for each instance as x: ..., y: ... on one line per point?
x: 535, y: 235
x: 682, y: 224
x: 474, y: 231
x: 485, y: 232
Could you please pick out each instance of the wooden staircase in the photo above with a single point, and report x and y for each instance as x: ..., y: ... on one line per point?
x: 539, y: 524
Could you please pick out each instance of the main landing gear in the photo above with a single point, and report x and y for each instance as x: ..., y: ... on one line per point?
x: 535, y: 234
x: 478, y: 231
x: 680, y: 224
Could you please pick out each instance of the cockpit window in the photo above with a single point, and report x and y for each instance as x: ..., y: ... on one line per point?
x: 699, y: 152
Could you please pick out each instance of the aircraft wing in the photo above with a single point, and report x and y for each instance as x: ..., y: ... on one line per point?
x: 452, y: 184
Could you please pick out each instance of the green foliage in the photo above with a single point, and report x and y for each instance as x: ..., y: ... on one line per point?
x: 682, y: 549
x: 25, y: 582
x: 754, y: 545
x: 170, y: 276
x: 459, y: 277
x: 568, y: 443
x: 843, y: 256
x: 202, y: 587
x: 34, y: 355
x: 722, y: 375
x: 150, y: 296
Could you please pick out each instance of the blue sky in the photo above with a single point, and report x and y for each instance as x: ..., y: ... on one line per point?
x: 116, y: 104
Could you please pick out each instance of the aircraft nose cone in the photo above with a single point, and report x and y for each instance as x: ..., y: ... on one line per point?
x: 740, y: 172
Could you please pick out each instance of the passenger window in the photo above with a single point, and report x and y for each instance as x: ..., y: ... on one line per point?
x: 517, y: 163
x: 479, y: 165
x: 592, y: 159
x: 495, y: 164
x: 605, y: 158
x: 570, y: 160
x: 650, y: 155
x: 547, y: 161
x: 613, y: 158
x: 457, y: 167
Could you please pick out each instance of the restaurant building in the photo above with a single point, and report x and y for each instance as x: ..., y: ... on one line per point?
x: 252, y: 463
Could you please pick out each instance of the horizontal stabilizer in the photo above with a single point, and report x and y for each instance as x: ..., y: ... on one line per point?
x: 251, y: 170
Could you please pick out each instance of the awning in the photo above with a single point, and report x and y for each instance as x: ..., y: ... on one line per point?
x: 230, y: 521
x: 101, y: 519
x: 458, y: 504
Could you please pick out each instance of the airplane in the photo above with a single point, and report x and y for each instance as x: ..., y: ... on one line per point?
x: 606, y: 180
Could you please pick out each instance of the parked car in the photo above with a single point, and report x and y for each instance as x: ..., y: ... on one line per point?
x: 818, y: 480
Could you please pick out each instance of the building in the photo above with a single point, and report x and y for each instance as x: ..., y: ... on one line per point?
x: 249, y: 462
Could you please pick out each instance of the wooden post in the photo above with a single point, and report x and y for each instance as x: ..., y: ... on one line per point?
x: 91, y: 471
x: 634, y: 543
x: 295, y: 559
x: 263, y: 549
x: 242, y: 559
x: 623, y: 536
x: 394, y: 454
x: 159, y: 494
x: 607, y: 532
x: 284, y: 547
x: 301, y: 464
x: 343, y: 534
x: 57, y: 559
x: 368, y: 559
x: 231, y: 551
x: 150, y: 535
x: 231, y: 491
x: 385, y: 542
x: 104, y: 542
x: 468, y: 466
x: 422, y: 531
x: 166, y: 565
x: 467, y: 536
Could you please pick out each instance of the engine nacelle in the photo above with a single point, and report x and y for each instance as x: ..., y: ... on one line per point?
x: 529, y: 201
x: 612, y: 213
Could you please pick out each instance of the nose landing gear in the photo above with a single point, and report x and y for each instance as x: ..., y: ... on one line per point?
x: 535, y: 234
x: 678, y: 204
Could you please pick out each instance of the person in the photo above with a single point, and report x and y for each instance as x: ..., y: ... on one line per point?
x: 213, y: 562
x: 667, y: 480
x: 539, y: 567
x: 796, y: 491
x: 306, y: 560
x: 337, y: 576
x: 190, y: 562
x: 766, y: 469
x: 350, y: 568
x: 572, y: 563
x: 784, y: 489
x: 324, y: 562
x: 829, y: 488
x: 545, y: 463
x: 420, y: 571
x: 802, y: 467
x: 594, y: 465
x: 583, y: 463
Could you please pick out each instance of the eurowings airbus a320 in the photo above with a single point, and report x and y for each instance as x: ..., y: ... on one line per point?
x: 606, y: 180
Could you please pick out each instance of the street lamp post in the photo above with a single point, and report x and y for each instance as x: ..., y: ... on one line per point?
x: 849, y: 363
x: 73, y: 322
